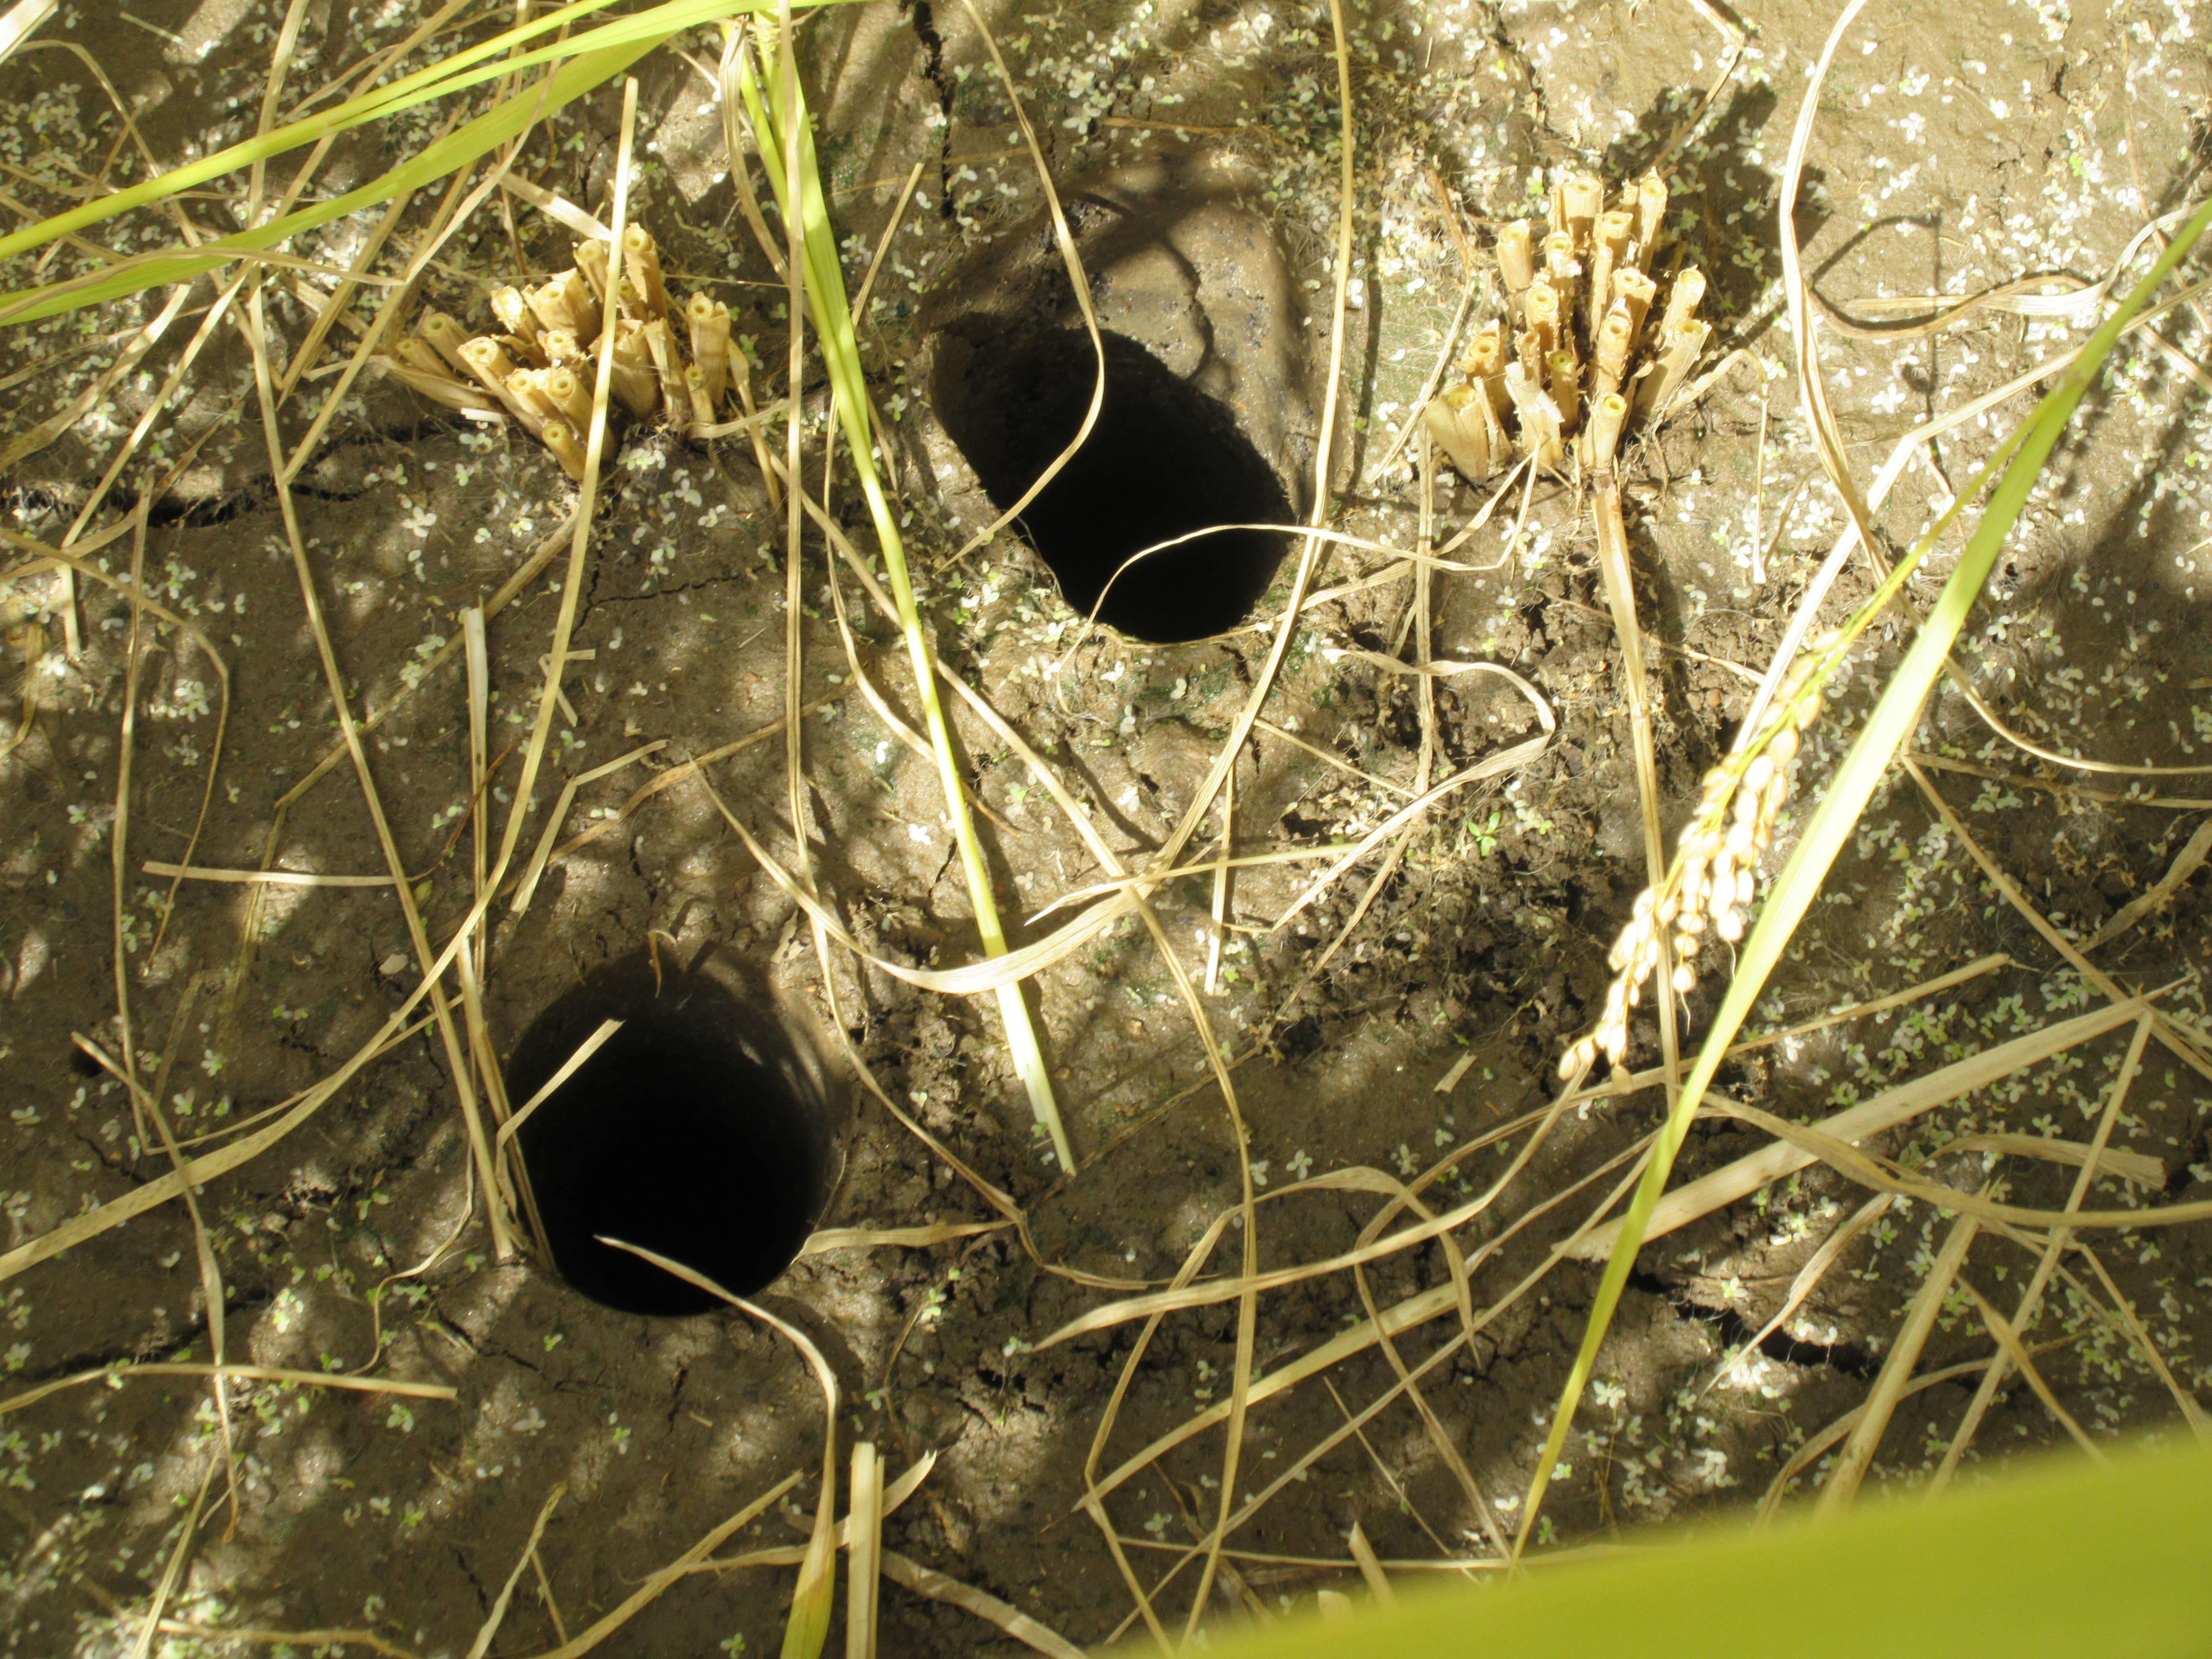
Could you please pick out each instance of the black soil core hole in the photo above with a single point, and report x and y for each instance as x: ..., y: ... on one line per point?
x: 698, y: 1130
x: 1164, y: 460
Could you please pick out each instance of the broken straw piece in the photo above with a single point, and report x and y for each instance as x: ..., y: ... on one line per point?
x: 633, y: 384
x: 668, y: 367
x: 1485, y: 367
x: 1540, y: 310
x: 567, y: 394
x: 1615, y: 344
x: 641, y: 259
x: 1459, y: 421
x: 560, y: 438
x: 566, y: 301
x: 1638, y: 290
x: 1581, y: 198
x: 694, y: 387
x: 1682, y: 302
x: 529, y: 390
x: 1565, y: 374
x: 710, y: 342
x: 1610, y: 240
x: 1603, y: 437
x: 446, y: 338
x: 1563, y: 273
x: 1538, y: 415
x: 592, y: 261
x: 514, y: 316
x: 414, y: 364
x: 1651, y: 212
x: 490, y: 366
x: 1659, y: 386
x: 1515, y: 263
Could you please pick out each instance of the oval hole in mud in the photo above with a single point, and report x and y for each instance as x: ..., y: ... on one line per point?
x: 1163, y: 460
x: 701, y: 1130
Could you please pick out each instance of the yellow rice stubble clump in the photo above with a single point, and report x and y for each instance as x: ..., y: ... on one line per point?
x: 537, y: 368
x: 1577, y: 356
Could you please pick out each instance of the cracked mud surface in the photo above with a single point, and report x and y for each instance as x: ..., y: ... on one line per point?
x: 1952, y: 152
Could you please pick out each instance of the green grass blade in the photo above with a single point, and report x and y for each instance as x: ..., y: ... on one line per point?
x: 457, y: 149
x: 833, y: 324
x: 2060, y: 1559
x: 429, y: 82
x: 1835, y: 819
x: 588, y: 60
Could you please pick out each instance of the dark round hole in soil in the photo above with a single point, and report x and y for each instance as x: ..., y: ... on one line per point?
x: 1164, y: 460
x: 700, y: 1130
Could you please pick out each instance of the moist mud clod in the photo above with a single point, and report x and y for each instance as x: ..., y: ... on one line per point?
x: 702, y: 1130
x: 1163, y: 460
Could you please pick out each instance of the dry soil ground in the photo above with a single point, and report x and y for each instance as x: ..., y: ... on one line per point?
x: 1957, y: 147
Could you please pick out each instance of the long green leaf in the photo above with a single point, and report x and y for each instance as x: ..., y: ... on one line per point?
x: 2061, y: 1559
x: 840, y: 353
x: 432, y: 81
x: 1833, y: 821
x: 588, y: 60
x: 456, y: 150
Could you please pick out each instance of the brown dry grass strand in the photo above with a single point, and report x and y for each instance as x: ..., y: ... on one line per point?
x: 810, y: 1610
x: 650, y: 1590
x: 939, y: 1587
x: 2048, y: 1259
x: 2184, y: 1043
x: 172, y: 1570
x: 1807, y: 1280
x: 1897, y: 1368
x: 2077, y: 303
x: 1899, y: 1103
x: 263, y: 1637
x: 535, y: 870
x: 459, y: 1066
x: 1079, y: 287
x: 497, y: 1616
x: 1401, y: 1316
x: 864, y: 1529
x: 2125, y: 1317
x: 1848, y: 1160
x: 2016, y: 1353
x: 115, y: 1375
x: 2186, y: 863
x: 1817, y: 1445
